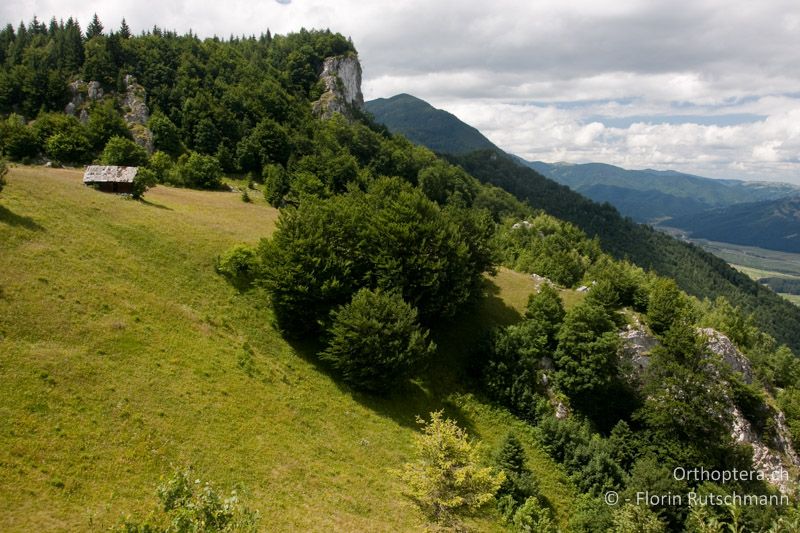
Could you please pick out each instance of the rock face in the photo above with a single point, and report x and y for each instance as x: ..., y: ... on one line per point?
x: 342, y: 78
x: 772, y: 454
x: 136, y: 113
x: 133, y: 102
x: 722, y: 346
x: 82, y: 94
x: 637, y: 344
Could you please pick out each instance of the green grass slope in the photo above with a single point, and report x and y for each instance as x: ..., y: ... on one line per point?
x: 123, y: 356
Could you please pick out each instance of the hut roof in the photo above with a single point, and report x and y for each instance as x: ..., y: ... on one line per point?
x: 109, y: 173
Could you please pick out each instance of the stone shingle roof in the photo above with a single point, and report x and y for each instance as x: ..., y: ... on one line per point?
x: 109, y: 173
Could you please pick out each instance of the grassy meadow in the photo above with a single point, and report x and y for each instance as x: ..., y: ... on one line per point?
x: 124, y: 356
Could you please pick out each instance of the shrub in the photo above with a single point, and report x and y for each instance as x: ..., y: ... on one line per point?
x: 446, y: 481
x: 161, y: 165
x: 637, y: 519
x: 193, y: 506
x: 199, y: 171
x: 238, y: 265
x: 326, y: 250
x: 145, y: 179
x: 68, y: 147
x: 123, y: 152
x: 17, y: 140
x: 375, y: 341
x: 3, y: 172
x: 532, y: 517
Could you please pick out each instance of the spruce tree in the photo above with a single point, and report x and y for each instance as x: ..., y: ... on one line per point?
x: 95, y: 28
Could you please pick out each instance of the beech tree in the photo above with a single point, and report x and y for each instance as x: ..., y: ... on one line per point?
x: 375, y: 341
x: 587, y: 350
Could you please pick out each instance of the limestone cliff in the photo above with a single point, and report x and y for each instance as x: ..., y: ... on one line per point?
x: 136, y: 113
x: 773, y: 452
x: 341, y: 76
x: 81, y: 96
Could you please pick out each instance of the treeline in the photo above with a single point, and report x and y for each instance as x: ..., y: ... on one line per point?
x: 697, y: 272
x: 242, y: 100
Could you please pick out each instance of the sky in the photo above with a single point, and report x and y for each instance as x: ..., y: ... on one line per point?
x: 709, y: 87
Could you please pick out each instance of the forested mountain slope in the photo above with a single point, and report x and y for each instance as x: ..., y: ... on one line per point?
x: 424, y: 124
x: 696, y: 271
x: 771, y: 224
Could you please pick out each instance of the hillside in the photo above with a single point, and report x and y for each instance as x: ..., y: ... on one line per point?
x: 124, y: 356
x: 423, y: 124
x: 647, y: 195
x: 697, y: 272
x: 773, y: 224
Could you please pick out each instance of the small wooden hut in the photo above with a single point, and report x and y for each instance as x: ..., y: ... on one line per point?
x: 109, y: 178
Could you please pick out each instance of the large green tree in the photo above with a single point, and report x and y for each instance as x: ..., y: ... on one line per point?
x: 587, y: 350
x: 375, y: 341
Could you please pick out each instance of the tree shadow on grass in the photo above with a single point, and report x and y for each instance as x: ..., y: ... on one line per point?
x: 13, y: 219
x: 450, y: 372
x: 152, y: 204
x: 403, y: 405
x: 459, y: 341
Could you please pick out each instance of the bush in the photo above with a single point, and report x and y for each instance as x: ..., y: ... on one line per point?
x: 637, y: 519
x: 191, y: 506
x: 123, y: 152
x: 375, y: 341
x: 3, y: 172
x: 145, y: 179
x: 161, y: 165
x: 446, y: 481
x: 68, y: 147
x: 326, y: 250
x: 532, y: 517
x: 17, y: 140
x: 199, y: 171
x: 238, y: 265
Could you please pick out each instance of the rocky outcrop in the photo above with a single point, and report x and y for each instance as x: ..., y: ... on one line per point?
x: 341, y: 76
x: 722, y: 346
x: 777, y: 459
x: 637, y: 343
x: 773, y: 453
x: 81, y: 95
x: 136, y: 113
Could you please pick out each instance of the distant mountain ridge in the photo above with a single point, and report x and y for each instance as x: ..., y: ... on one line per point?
x: 647, y: 195
x: 773, y: 224
x: 644, y: 195
x: 423, y: 124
